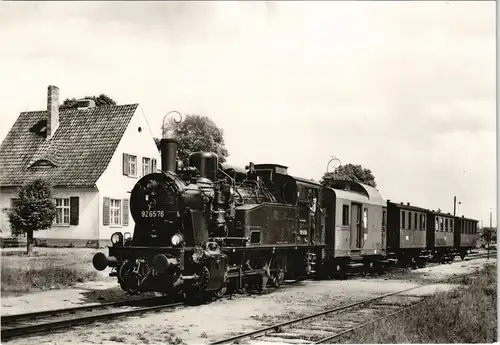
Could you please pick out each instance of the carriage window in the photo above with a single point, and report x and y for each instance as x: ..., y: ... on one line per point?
x: 384, y: 218
x: 446, y: 225
x: 415, y: 220
x: 345, y: 215
x: 365, y: 218
x: 436, y: 227
x: 441, y: 224
x: 451, y: 225
x: 403, y: 223
x: 421, y: 221
x: 409, y: 221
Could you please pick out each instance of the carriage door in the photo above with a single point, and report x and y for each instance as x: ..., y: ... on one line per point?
x: 356, y: 228
x: 384, y: 225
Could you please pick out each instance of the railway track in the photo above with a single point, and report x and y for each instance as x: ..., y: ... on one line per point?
x: 30, y: 323
x: 20, y: 325
x: 326, y: 326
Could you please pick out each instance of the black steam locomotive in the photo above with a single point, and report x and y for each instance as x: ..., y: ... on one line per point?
x: 205, y: 228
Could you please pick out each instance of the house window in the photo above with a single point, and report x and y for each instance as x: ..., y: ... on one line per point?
x: 132, y: 165
x: 345, y: 215
x: 62, y: 211
x: 146, y: 166
x: 115, y: 214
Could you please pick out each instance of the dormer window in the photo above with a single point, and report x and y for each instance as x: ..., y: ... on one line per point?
x: 42, y: 163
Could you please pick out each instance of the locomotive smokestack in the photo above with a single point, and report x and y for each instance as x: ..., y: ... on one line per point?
x: 168, y: 149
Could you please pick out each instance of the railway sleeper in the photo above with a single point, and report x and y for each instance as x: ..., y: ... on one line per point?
x: 279, y: 340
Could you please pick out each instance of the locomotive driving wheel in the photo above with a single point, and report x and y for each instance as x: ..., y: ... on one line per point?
x: 276, y: 273
x: 223, y: 289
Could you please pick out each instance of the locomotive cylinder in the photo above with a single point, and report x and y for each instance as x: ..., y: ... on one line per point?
x: 168, y: 149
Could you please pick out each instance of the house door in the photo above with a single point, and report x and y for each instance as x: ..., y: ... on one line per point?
x: 356, y: 229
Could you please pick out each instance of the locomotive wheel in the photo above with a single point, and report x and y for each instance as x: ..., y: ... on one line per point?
x: 129, y: 282
x: 277, y: 275
x: 222, y: 291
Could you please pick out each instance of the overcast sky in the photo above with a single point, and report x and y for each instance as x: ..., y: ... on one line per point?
x: 406, y: 89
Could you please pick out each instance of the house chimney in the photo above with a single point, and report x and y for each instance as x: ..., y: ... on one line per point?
x: 52, y: 110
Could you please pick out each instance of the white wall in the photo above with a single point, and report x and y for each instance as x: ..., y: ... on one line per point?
x: 86, y: 229
x: 113, y: 183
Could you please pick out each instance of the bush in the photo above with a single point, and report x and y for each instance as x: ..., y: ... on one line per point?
x: 464, y: 315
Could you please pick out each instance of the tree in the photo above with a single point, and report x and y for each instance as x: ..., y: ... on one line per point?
x: 197, y: 133
x: 33, y: 210
x: 351, y: 172
x: 101, y: 100
x: 489, y: 235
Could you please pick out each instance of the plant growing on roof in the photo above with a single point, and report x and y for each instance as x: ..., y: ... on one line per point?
x: 100, y: 101
x: 33, y: 210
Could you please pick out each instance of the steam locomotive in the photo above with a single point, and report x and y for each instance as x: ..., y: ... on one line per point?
x: 204, y: 228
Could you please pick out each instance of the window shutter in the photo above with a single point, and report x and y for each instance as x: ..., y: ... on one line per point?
x: 105, y: 211
x: 153, y: 165
x: 126, y: 167
x: 74, y: 210
x: 125, y: 212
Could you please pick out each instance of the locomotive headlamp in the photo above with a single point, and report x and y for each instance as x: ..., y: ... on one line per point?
x: 116, y: 238
x: 127, y: 237
x: 177, y: 239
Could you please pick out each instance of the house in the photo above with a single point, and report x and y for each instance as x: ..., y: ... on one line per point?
x: 92, y: 155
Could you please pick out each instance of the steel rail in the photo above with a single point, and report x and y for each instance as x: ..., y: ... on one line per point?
x: 264, y: 330
x: 11, y: 332
x: 56, y: 312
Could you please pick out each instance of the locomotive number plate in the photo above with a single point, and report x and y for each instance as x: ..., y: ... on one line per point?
x: 153, y: 214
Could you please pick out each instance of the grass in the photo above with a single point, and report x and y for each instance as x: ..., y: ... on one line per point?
x: 46, y: 269
x: 464, y: 315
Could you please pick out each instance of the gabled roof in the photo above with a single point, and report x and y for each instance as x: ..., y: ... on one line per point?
x: 77, y: 154
x: 371, y: 194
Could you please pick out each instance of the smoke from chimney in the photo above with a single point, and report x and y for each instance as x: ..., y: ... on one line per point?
x: 52, y: 110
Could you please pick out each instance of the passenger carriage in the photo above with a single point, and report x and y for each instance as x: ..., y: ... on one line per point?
x: 406, y: 233
x: 465, y: 237
x: 355, y: 225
